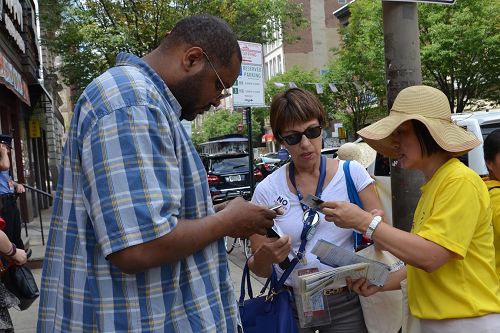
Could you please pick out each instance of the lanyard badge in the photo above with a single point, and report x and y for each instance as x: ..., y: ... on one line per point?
x: 311, y: 221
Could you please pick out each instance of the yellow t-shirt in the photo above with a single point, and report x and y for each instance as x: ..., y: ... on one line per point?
x: 494, y: 190
x: 454, y: 212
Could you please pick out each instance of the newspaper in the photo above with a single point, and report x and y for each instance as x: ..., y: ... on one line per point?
x: 312, y: 283
x: 336, y: 256
x: 309, y: 294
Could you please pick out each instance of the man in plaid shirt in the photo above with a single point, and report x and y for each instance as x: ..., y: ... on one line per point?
x: 135, y: 243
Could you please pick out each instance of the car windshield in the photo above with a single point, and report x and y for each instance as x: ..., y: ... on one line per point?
x: 234, y: 164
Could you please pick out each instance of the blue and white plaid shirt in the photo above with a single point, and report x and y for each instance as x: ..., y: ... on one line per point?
x: 129, y: 172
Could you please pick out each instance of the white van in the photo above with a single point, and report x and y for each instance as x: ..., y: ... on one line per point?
x: 480, y: 123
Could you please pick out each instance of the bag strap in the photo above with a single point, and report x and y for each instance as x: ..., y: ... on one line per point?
x: 352, y: 192
x: 271, y: 281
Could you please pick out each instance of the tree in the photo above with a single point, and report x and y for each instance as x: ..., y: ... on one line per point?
x: 279, y: 83
x: 89, y: 33
x: 222, y: 122
x: 358, y: 71
x: 460, y: 50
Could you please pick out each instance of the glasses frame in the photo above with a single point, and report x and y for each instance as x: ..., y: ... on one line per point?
x: 290, y: 140
x: 225, y: 91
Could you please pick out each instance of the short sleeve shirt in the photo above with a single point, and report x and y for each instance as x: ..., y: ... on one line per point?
x: 129, y: 172
x: 274, y: 188
x: 454, y: 212
x: 494, y: 191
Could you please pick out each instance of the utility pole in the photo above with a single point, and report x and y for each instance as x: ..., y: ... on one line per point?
x: 403, y: 69
x: 248, y: 114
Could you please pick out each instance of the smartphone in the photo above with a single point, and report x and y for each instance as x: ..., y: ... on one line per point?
x: 272, y: 233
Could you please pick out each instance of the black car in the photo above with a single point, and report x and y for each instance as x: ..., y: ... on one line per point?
x: 228, y: 176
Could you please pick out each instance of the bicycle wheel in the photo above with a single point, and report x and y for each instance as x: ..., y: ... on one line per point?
x: 247, y: 248
x: 229, y: 245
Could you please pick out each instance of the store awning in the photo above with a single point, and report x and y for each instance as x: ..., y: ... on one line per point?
x: 12, y: 79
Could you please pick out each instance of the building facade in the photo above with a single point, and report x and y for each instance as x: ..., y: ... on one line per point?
x: 312, y: 50
x: 25, y: 104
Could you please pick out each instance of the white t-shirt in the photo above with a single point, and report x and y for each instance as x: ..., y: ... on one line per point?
x: 274, y: 188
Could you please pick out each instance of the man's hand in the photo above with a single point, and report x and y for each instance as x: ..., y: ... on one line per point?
x: 244, y: 218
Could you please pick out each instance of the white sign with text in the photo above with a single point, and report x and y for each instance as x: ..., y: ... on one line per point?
x: 248, y: 90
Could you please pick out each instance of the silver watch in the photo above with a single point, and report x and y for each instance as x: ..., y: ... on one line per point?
x: 373, y: 225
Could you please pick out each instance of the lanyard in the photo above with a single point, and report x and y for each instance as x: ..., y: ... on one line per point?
x: 319, y: 186
x: 311, y: 213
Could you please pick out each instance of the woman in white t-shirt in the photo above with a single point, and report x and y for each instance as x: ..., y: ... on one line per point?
x: 297, y: 118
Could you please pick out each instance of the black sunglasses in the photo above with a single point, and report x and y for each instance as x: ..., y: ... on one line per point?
x: 310, y: 133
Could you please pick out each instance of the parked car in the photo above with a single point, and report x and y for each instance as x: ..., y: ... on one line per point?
x: 228, y: 176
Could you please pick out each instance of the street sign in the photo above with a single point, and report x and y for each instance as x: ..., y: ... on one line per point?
x: 34, y: 126
x: 248, y: 90
x: 441, y: 2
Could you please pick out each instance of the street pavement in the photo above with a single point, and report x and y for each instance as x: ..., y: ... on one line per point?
x: 25, y: 321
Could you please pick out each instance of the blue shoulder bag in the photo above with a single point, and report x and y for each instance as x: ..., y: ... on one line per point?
x: 267, y: 313
x: 360, y: 241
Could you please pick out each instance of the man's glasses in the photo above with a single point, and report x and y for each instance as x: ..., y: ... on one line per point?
x: 310, y: 133
x: 225, y: 92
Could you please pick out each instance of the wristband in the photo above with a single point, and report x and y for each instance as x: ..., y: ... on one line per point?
x: 12, y: 251
x: 373, y: 225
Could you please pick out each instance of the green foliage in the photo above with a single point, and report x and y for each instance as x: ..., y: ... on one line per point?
x: 300, y: 77
x: 222, y: 122
x: 89, y: 33
x: 460, y: 49
x: 358, y: 71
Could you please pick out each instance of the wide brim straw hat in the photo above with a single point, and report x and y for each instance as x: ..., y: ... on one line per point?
x: 360, y: 152
x: 429, y: 106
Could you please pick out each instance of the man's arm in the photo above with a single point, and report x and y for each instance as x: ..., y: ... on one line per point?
x: 238, y: 219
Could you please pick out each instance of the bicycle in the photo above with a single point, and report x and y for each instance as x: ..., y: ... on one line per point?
x: 238, y: 242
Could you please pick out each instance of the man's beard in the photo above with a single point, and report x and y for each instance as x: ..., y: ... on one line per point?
x: 186, y: 91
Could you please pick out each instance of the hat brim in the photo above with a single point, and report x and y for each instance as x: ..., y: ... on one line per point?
x: 448, y: 136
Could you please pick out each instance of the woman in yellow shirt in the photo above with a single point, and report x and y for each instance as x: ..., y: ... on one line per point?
x: 491, y: 149
x: 450, y: 272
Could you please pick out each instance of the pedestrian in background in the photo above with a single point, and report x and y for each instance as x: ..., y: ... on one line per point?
x: 9, y: 252
x: 8, y: 249
x: 451, y: 279
x: 9, y: 191
x: 135, y: 244
x: 297, y: 118
x: 491, y: 148
x: 359, y: 152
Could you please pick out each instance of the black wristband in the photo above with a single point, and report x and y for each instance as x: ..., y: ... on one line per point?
x: 12, y: 251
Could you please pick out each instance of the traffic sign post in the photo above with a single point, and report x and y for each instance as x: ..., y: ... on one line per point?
x: 248, y: 90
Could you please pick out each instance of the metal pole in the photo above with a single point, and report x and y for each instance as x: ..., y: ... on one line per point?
x: 403, y: 69
x: 248, y: 111
x: 40, y: 216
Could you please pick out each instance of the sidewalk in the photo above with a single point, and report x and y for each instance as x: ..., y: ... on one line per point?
x: 25, y: 321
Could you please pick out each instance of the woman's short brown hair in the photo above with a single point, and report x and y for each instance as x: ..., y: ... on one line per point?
x: 294, y: 106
